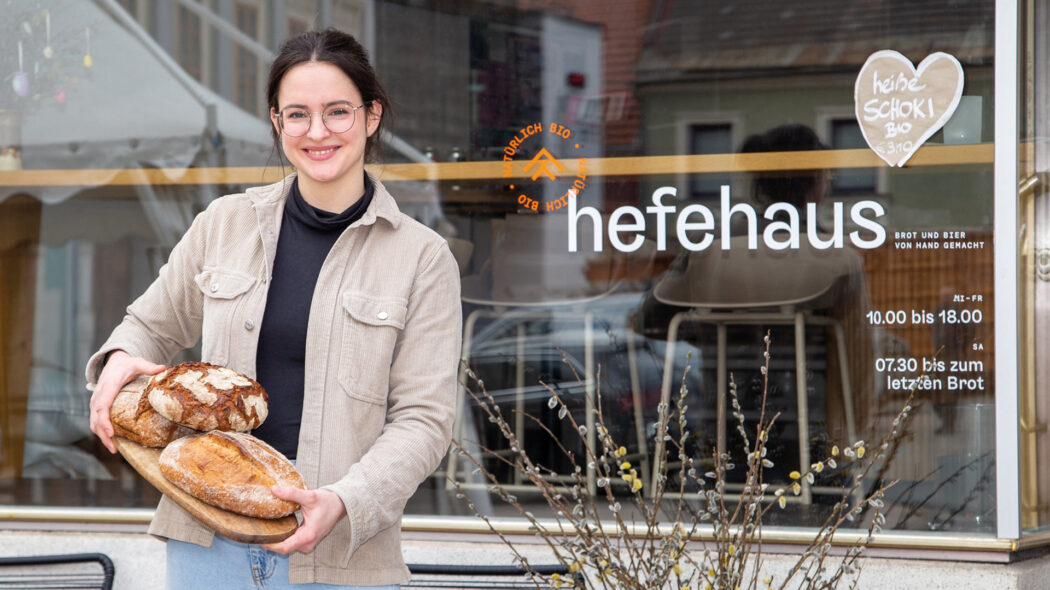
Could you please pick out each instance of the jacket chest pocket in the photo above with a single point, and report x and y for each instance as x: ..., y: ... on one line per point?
x: 371, y: 327
x: 224, y: 293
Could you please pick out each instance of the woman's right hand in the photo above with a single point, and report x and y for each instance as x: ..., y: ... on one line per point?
x: 119, y: 370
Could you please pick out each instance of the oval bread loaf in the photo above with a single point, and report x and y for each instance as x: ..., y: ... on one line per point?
x: 135, y: 419
x: 231, y: 470
x: 208, y: 397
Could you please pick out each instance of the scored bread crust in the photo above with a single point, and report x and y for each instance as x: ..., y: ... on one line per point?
x: 135, y: 419
x: 208, y: 397
x: 231, y: 470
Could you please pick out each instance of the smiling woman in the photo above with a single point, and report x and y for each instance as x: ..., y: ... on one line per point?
x: 280, y: 255
x: 327, y: 151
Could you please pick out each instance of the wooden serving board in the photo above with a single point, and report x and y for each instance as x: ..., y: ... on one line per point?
x: 244, y: 529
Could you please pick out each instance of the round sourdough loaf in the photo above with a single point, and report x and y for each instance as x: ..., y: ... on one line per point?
x: 208, y: 397
x: 135, y: 419
x: 231, y: 470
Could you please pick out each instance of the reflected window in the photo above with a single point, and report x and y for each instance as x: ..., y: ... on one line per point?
x: 246, y: 64
x: 709, y: 138
x: 845, y: 134
x: 188, y: 42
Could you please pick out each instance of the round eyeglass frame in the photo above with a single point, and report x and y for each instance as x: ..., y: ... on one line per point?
x: 324, y: 119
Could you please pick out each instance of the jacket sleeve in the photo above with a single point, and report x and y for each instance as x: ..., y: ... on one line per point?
x: 166, y: 318
x: 420, y: 409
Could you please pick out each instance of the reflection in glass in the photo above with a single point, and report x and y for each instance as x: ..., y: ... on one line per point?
x: 845, y: 134
x: 657, y: 101
x: 712, y: 138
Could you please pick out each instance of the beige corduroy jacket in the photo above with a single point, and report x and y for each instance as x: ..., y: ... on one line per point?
x: 383, y: 342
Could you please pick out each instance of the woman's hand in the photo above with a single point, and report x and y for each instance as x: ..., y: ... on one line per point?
x: 120, y: 368
x: 321, y: 510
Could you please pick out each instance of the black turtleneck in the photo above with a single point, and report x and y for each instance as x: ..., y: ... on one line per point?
x: 307, y: 234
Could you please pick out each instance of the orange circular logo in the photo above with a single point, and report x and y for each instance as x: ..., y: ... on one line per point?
x: 545, y: 167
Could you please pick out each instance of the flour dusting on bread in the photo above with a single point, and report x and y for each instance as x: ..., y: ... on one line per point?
x: 208, y: 397
x: 135, y: 419
x: 233, y: 471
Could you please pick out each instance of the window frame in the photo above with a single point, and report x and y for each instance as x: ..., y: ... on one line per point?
x: 1005, y: 229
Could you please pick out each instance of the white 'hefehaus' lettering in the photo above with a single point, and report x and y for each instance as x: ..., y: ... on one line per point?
x: 695, y: 226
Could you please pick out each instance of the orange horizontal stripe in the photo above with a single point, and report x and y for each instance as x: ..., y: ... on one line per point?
x: 624, y: 166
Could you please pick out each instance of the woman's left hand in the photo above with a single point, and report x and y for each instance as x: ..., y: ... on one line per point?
x: 321, y: 510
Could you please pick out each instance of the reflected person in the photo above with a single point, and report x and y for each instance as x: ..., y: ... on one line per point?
x: 848, y: 299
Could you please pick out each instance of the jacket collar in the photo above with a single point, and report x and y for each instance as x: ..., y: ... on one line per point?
x: 383, y: 205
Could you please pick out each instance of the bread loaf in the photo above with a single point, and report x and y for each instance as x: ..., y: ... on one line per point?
x: 208, y: 397
x: 231, y: 470
x: 135, y: 419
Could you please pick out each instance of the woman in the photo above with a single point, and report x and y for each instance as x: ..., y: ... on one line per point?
x: 344, y: 309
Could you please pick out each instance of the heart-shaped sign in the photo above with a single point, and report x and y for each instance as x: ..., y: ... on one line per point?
x: 899, y: 107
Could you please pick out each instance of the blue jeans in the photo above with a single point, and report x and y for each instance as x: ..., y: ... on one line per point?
x: 235, y: 566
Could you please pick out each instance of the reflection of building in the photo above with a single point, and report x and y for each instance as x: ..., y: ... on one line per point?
x: 226, y: 44
x: 707, y: 74
x: 706, y: 80
x: 665, y: 93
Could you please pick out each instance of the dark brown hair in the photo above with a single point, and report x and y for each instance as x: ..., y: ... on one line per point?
x: 344, y: 52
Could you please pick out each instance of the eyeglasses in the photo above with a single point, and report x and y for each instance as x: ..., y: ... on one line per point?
x: 338, y: 118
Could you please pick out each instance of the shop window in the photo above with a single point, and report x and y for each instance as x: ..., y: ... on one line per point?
x: 469, y: 82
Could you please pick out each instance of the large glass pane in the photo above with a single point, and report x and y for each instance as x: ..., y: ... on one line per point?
x: 708, y: 110
x: 625, y: 185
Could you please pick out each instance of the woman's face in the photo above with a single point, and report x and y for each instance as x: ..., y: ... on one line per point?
x: 320, y: 155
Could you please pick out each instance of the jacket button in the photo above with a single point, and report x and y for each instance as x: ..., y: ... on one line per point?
x: 214, y: 287
x: 248, y: 325
x: 382, y: 315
